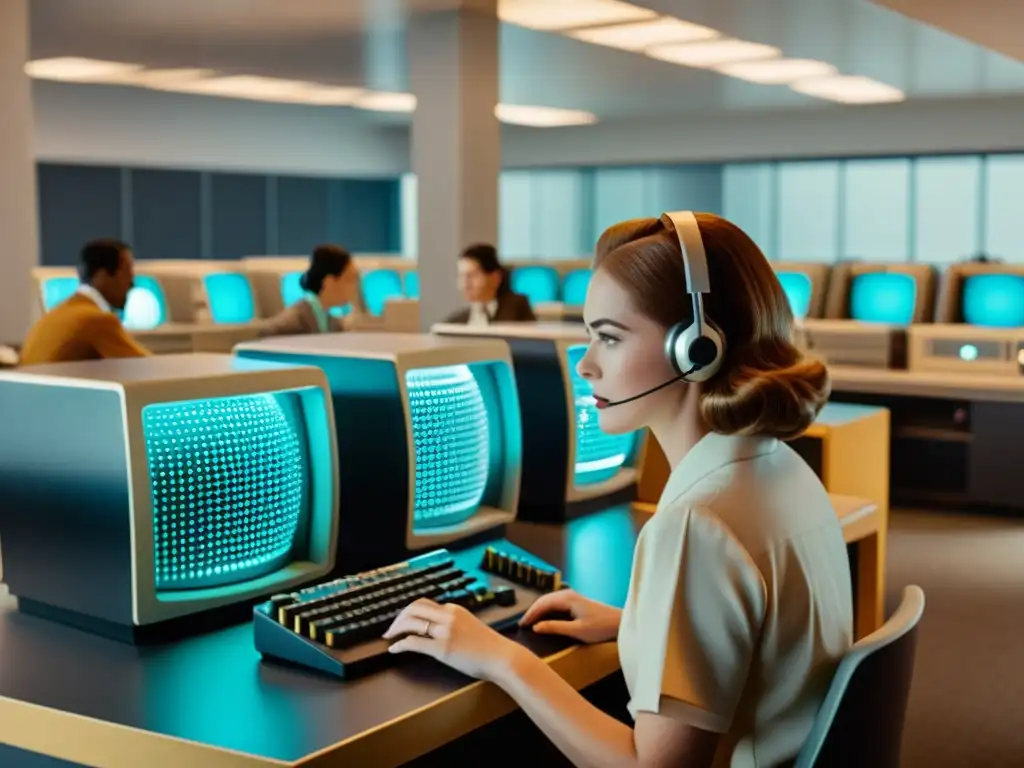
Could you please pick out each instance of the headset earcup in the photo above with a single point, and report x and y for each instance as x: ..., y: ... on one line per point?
x: 714, y: 353
x: 675, y: 349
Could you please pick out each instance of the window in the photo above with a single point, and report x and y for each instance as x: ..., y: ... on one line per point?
x: 748, y: 191
x: 946, y: 221
x: 876, y: 210
x: 808, y: 211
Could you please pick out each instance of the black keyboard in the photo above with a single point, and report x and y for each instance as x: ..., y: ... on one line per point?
x: 336, y: 626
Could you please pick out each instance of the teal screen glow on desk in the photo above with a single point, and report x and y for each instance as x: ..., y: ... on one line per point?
x: 229, y: 296
x: 537, y: 283
x: 994, y: 301
x: 229, y: 482
x: 574, y: 287
x: 58, y: 289
x: 452, y: 438
x: 599, y: 456
x: 379, y: 285
x: 883, y: 297
x: 797, y: 286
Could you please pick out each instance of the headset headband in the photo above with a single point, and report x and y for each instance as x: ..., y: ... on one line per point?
x: 695, y: 262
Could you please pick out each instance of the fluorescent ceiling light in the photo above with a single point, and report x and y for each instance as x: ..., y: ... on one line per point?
x: 849, y: 89
x: 640, y: 35
x: 382, y: 101
x: 551, y: 15
x: 331, y: 95
x: 542, y: 117
x: 777, y: 71
x: 259, y: 88
x: 713, y: 54
x: 158, y: 77
x: 78, y: 70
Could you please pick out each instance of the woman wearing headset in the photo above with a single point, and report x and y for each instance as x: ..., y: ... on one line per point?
x: 739, y: 606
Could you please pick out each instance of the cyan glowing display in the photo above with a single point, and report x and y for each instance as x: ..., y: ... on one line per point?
x: 451, y: 436
x: 230, y: 297
x: 883, y: 297
x: 379, y: 285
x: 146, y: 307
x: 412, y: 285
x: 599, y: 456
x: 228, y: 484
x: 57, y: 289
x: 291, y: 288
x: 797, y: 286
x: 996, y: 301
x: 539, y: 284
x: 574, y: 286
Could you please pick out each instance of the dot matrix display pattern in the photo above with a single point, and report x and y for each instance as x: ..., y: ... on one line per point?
x: 228, y: 478
x: 452, y: 443
x: 599, y: 456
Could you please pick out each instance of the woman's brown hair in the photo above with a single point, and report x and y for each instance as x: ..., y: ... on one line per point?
x: 765, y: 386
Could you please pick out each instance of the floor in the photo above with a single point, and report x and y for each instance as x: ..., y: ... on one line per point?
x: 967, y: 702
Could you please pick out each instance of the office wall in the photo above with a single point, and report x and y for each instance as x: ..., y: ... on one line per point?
x: 107, y: 125
x: 191, y: 214
x: 934, y: 209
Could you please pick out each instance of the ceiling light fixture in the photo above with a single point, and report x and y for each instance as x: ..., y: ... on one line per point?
x: 776, y: 71
x: 552, y: 15
x: 252, y: 87
x: 713, y: 54
x: 849, y: 89
x: 643, y: 34
x: 74, y: 69
x: 542, y: 117
x: 383, y: 101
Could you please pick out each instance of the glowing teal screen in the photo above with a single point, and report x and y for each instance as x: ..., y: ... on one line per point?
x: 538, y: 284
x: 996, y: 301
x: 599, y: 456
x: 883, y: 297
x: 229, y: 481
x: 379, y: 285
x: 574, y: 287
x: 230, y: 297
x: 58, y: 289
x: 146, y: 307
x: 797, y: 286
x: 451, y: 436
x: 412, y: 285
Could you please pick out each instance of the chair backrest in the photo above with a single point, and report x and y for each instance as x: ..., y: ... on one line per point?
x: 860, y: 723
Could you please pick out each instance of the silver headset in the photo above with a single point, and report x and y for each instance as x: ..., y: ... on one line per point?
x: 695, y: 349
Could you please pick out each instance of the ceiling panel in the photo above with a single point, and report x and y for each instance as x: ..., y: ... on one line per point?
x: 361, y: 42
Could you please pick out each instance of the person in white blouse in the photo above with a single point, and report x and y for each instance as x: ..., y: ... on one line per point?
x: 740, y: 601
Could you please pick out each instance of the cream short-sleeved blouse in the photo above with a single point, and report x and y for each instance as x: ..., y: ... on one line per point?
x: 740, y: 604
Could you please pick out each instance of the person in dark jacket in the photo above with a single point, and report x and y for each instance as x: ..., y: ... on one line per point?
x: 484, y: 284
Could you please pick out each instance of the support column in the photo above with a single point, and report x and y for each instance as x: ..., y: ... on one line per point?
x: 456, y: 144
x: 18, y: 207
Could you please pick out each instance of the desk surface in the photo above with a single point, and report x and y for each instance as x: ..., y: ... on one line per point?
x: 952, y: 386
x: 198, y: 701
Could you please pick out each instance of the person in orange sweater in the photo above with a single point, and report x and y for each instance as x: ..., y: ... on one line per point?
x: 84, y: 327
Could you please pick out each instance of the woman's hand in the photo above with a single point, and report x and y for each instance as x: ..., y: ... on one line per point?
x: 454, y: 636
x: 591, y: 621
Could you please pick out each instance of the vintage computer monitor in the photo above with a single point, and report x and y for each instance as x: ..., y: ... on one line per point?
x: 429, y: 438
x: 805, y: 285
x: 569, y: 464
x: 867, y: 312
x: 979, y: 324
x: 205, y: 292
x: 145, y: 494
x: 147, y: 303
x: 540, y: 283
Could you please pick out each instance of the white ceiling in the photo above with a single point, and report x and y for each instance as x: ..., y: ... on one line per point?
x: 361, y: 42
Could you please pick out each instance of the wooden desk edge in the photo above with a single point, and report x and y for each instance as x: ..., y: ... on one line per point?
x: 81, y: 739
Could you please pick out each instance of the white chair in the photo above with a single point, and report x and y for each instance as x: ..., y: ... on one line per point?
x: 860, y: 723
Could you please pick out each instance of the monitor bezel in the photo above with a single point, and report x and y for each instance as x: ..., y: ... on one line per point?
x: 486, y: 517
x: 147, y: 608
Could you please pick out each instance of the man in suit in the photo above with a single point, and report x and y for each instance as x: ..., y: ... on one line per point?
x: 484, y: 284
x: 84, y: 327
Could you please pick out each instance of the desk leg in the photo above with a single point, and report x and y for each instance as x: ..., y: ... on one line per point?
x: 869, y: 611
